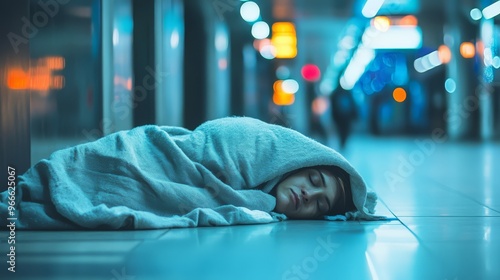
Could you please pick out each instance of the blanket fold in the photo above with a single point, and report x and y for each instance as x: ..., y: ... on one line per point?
x: 221, y: 173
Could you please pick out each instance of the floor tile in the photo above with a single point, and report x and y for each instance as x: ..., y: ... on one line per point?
x: 89, y: 235
x: 469, y: 246
x: 288, y: 250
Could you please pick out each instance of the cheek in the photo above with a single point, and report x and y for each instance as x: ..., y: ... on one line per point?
x: 282, y: 198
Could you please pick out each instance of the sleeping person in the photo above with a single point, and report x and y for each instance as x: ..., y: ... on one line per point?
x: 228, y: 171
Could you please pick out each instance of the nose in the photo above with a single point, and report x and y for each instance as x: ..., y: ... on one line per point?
x: 309, y: 195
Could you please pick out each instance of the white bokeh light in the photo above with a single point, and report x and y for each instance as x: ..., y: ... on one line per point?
x: 174, y: 39
x: 450, y: 85
x: 496, y: 62
x: 116, y: 37
x: 290, y: 86
x: 221, y: 41
x: 260, y: 30
x: 476, y: 14
x: 250, y: 11
x: 268, y: 52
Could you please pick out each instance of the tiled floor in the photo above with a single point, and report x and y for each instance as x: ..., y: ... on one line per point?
x: 444, y: 198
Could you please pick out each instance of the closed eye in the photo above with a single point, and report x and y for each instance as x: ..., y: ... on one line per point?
x: 313, y: 178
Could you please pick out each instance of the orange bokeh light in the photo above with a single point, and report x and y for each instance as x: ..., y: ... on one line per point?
x: 480, y: 48
x: 399, y: 94
x: 129, y: 84
x: 258, y: 44
x: 17, y: 79
x: 409, y: 20
x: 277, y: 86
x: 280, y: 97
x: 38, y: 77
x: 54, y: 62
x: 57, y: 82
x: 283, y: 27
x: 467, y: 50
x: 381, y: 23
x: 283, y: 99
x: 444, y: 54
x: 319, y: 105
x: 123, y: 82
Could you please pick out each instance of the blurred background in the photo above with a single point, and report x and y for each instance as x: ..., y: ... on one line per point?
x: 75, y: 70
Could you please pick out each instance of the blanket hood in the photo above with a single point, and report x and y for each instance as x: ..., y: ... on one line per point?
x: 262, y: 153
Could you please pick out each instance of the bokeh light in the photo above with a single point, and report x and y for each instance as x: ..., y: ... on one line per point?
x: 467, y: 50
x: 39, y: 76
x: 496, y: 62
x: 282, y: 72
x: 277, y: 85
x: 320, y: 105
x: 280, y: 97
x: 222, y: 63
x: 283, y: 99
x: 250, y: 11
x: 259, y: 44
x: 399, y: 94
x: 260, y: 30
x: 382, y: 23
x: 310, y: 72
x: 409, y: 20
x: 476, y: 14
x: 221, y: 42
x: 444, y: 54
x: 450, y: 85
x: 284, y: 39
x: 371, y: 8
x: 492, y: 10
x: 290, y: 86
x: 268, y: 51
x: 17, y: 79
x: 174, y: 39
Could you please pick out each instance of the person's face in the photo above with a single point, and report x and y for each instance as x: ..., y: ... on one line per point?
x: 309, y: 193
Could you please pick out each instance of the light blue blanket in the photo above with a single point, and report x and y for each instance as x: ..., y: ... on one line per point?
x: 221, y: 173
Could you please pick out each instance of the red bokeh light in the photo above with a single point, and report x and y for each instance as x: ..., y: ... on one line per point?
x: 310, y: 72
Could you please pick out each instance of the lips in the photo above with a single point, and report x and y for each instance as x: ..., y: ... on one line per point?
x: 295, y: 199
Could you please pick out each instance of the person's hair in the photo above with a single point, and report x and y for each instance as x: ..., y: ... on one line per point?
x: 344, y: 202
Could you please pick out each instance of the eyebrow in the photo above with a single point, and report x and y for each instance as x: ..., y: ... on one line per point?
x: 324, y: 184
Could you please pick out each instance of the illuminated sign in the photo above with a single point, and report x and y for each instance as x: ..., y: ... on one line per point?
x: 39, y: 76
